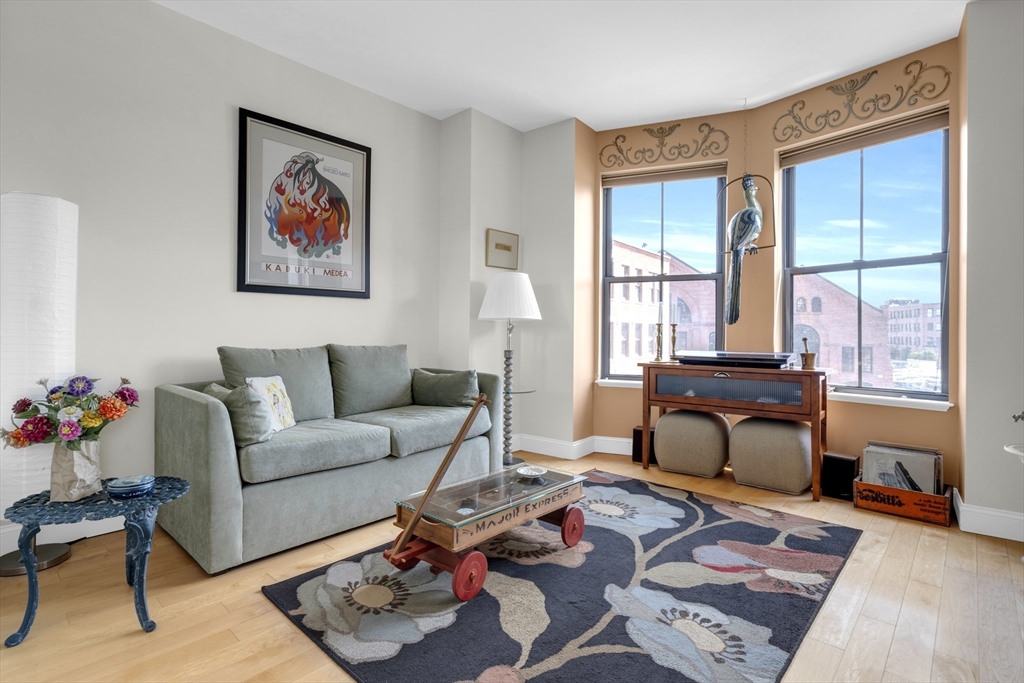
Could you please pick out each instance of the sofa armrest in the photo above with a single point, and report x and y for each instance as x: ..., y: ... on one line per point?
x: 491, y: 386
x: 194, y: 441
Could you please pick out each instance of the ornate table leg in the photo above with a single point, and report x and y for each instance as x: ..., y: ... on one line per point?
x: 28, y: 532
x: 138, y: 544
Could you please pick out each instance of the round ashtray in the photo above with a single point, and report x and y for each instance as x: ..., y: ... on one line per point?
x: 532, y: 471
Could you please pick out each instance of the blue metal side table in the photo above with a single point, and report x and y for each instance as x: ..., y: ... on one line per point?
x: 139, y: 519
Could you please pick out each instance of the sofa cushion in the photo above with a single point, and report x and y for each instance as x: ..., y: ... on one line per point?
x: 305, y: 372
x: 251, y: 420
x: 444, y: 389
x: 313, y: 446
x: 420, y: 428
x: 369, y: 378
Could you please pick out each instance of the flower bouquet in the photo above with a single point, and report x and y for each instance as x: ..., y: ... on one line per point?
x: 71, y: 417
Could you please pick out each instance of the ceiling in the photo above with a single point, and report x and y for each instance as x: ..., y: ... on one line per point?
x: 610, y: 64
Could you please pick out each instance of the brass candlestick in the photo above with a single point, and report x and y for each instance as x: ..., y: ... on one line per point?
x: 657, y: 346
x: 673, y: 326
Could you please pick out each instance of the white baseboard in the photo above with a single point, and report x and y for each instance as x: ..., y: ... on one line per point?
x: 572, y: 450
x: 59, y: 533
x: 988, y: 521
x: 616, y: 445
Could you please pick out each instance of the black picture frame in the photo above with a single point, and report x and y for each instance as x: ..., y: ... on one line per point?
x: 315, y: 244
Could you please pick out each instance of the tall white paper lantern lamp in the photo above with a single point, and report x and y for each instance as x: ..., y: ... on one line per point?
x: 38, y: 304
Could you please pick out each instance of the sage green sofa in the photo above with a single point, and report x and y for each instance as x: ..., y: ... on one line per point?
x: 338, y: 468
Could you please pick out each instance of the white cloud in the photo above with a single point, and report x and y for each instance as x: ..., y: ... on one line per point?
x: 854, y: 223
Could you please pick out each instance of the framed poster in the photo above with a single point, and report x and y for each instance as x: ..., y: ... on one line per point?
x: 303, y: 210
x: 502, y: 249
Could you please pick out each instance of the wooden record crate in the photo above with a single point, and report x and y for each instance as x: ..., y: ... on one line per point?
x: 923, y: 507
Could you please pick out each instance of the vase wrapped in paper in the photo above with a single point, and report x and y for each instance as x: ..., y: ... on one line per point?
x: 71, y: 417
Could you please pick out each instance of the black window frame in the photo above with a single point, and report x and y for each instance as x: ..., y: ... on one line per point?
x: 859, y: 266
x: 609, y: 281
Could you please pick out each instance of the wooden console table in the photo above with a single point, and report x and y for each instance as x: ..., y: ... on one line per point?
x: 798, y: 395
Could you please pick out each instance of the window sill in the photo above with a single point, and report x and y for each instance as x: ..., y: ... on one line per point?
x: 621, y: 383
x: 890, y: 401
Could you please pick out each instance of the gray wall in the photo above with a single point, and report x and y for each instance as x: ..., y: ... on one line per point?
x: 995, y: 253
x: 130, y: 110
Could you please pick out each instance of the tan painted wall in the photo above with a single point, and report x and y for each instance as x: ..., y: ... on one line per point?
x: 585, y: 277
x: 617, y: 410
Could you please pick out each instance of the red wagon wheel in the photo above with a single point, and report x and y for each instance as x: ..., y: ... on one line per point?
x: 469, y: 575
x: 407, y: 563
x: 572, y: 526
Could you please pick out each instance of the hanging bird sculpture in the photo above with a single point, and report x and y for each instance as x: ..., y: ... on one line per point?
x: 744, y: 228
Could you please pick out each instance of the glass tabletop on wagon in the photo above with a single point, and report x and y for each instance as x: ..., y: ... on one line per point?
x: 467, y: 501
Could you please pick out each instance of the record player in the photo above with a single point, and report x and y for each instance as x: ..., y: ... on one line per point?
x: 739, y: 359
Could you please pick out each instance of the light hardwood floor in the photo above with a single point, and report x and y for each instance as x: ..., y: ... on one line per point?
x: 914, y: 603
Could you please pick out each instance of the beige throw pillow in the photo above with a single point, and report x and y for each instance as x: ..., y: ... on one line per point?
x: 271, y: 390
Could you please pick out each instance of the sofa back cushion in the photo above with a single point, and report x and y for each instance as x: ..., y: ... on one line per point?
x: 368, y: 378
x: 444, y: 389
x: 305, y: 372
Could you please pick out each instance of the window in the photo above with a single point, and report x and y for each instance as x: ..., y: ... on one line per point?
x: 681, y: 341
x: 931, y: 326
x: 665, y: 232
x: 711, y: 342
x: 682, y: 313
x: 865, y: 225
x: 847, y: 359
x: 938, y: 327
x: 611, y: 342
x: 801, y: 332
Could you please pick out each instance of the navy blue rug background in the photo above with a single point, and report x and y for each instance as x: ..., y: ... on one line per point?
x: 575, y: 602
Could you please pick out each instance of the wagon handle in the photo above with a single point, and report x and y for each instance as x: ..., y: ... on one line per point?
x: 439, y: 475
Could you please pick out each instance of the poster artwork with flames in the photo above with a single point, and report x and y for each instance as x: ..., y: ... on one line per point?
x: 303, y: 210
x: 307, y: 214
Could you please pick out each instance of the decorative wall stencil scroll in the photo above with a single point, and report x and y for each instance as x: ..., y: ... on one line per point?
x: 926, y: 83
x: 711, y: 142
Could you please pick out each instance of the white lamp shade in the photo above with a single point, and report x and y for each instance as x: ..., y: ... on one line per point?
x: 38, y: 292
x: 510, y: 297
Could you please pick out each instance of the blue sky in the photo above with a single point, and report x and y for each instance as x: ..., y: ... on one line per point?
x: 690, y: 219
x: 902, y: 216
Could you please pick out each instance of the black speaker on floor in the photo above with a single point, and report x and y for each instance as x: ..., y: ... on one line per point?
x: 837, y: 474
x: 638, y: 455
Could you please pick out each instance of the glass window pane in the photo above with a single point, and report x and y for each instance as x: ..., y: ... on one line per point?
x: 635, y: 224
x: 913, y: 364
x: 827, y: 212
x: 692, y: 306
x: 903, y: 197
x: 634, y: 332
x: 831, y: 332
x: 691, y: 220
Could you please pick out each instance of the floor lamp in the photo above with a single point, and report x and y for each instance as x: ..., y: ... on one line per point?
x: 509, y: 297
x: 38, y: 294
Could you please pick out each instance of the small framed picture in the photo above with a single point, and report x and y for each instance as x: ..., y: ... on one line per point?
x: 502, y: 249
x: 303, y: 210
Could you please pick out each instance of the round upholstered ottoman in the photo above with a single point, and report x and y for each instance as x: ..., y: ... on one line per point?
x: 771, y: 454
x: 692, y: 443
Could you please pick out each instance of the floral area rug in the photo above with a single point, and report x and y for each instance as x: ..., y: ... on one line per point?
x: 666, y: 585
